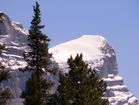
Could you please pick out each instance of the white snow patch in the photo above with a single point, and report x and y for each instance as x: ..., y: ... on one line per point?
x: 116, y: 87
x: 89, y: 45
x: 115, y: 78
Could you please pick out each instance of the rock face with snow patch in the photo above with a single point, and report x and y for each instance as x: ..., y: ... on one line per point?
x: 101, y: 57
x: 96, y: 51
x: 13, y: 36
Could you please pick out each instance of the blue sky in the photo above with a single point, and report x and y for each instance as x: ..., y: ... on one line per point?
x: 116, y: 20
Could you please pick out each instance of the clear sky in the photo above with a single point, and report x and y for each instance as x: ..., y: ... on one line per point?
x: 116, y: 20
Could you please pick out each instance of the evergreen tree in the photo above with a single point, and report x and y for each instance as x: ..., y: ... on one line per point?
x: 38, y: 63
x: 81, y: 86
x: 5, y: 93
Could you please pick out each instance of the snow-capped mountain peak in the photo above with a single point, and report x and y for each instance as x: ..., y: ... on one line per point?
x: 99, y: 54
x: 89, y: 45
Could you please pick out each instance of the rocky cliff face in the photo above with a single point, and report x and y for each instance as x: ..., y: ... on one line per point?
x: 96, y: 50
x: 13, y: 36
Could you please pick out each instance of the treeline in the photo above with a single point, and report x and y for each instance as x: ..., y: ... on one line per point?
x: 80, y: 86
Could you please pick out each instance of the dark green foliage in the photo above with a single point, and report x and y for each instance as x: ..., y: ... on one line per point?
x: 5, y: 96
x: 81, y: 86
x: 32, y: 94
x: 5, y: 93
x: 1, y: 48
x: 1, y: 19
x: 4, y: 74
x: 38, y: 63
x: 38, y: 58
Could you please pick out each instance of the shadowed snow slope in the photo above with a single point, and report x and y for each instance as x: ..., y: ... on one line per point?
x: 100, y: 56
x: 95, y: 49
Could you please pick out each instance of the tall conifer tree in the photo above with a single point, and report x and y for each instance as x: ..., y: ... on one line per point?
x: 81, y: 86
x: 38, y: 62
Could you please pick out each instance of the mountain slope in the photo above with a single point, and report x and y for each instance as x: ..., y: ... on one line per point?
x: 96, y: 50
x: 13, y: 36
x: 100, y: 56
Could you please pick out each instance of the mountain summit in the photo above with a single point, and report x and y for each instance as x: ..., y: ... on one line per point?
x: 89, y: 45
x: 95, y: 49
x: 100, y: 56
